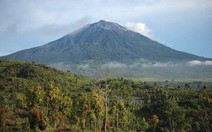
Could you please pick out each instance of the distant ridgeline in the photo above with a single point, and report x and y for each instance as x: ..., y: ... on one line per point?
x: 106, y: 45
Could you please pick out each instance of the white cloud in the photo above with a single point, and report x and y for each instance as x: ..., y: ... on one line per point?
x: 195, y: 63
x: 114, y: 65
x: 208, y: 63
x: 140, y: 28
x: 157, y: 64
x: 137, y: 64
x: 32, y: 19
x: 83, y: 66
x: 52, y: 12
x: 200, y: 63
x: 161, y: 64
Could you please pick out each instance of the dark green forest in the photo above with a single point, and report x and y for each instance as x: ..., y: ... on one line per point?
x: 35, y: 97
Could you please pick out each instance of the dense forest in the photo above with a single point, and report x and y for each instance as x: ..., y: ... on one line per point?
x: 34, y: 97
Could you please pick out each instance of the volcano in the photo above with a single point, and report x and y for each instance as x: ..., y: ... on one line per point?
x: 102, y: 43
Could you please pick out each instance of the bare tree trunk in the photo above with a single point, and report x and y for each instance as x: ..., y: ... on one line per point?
x: 117, y: 116
x: 105, y: 119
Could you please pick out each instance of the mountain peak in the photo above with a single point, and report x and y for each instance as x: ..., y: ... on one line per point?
x: 108, y: 25
x: 110, y: 45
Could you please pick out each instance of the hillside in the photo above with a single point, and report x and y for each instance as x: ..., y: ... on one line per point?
x: 34, y: 97
x: 22, y: 74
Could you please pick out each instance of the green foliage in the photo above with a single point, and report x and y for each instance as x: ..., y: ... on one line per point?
x: 154, y: 120
x: 144, y: 124
x: 34, y: 97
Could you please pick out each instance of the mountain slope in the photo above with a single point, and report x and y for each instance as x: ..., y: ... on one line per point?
x: 102, y: 42
x: 20, y: 75
x: 106, y: 45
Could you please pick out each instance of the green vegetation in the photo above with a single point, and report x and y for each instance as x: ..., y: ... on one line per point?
x: 35, y: 97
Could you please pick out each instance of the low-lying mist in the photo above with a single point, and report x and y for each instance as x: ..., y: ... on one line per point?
x: 144, y: 69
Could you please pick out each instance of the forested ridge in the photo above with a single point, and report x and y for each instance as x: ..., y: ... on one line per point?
x: 34, y: 97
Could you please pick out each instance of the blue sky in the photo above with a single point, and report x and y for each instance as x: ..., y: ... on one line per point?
x: 185, y: 25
